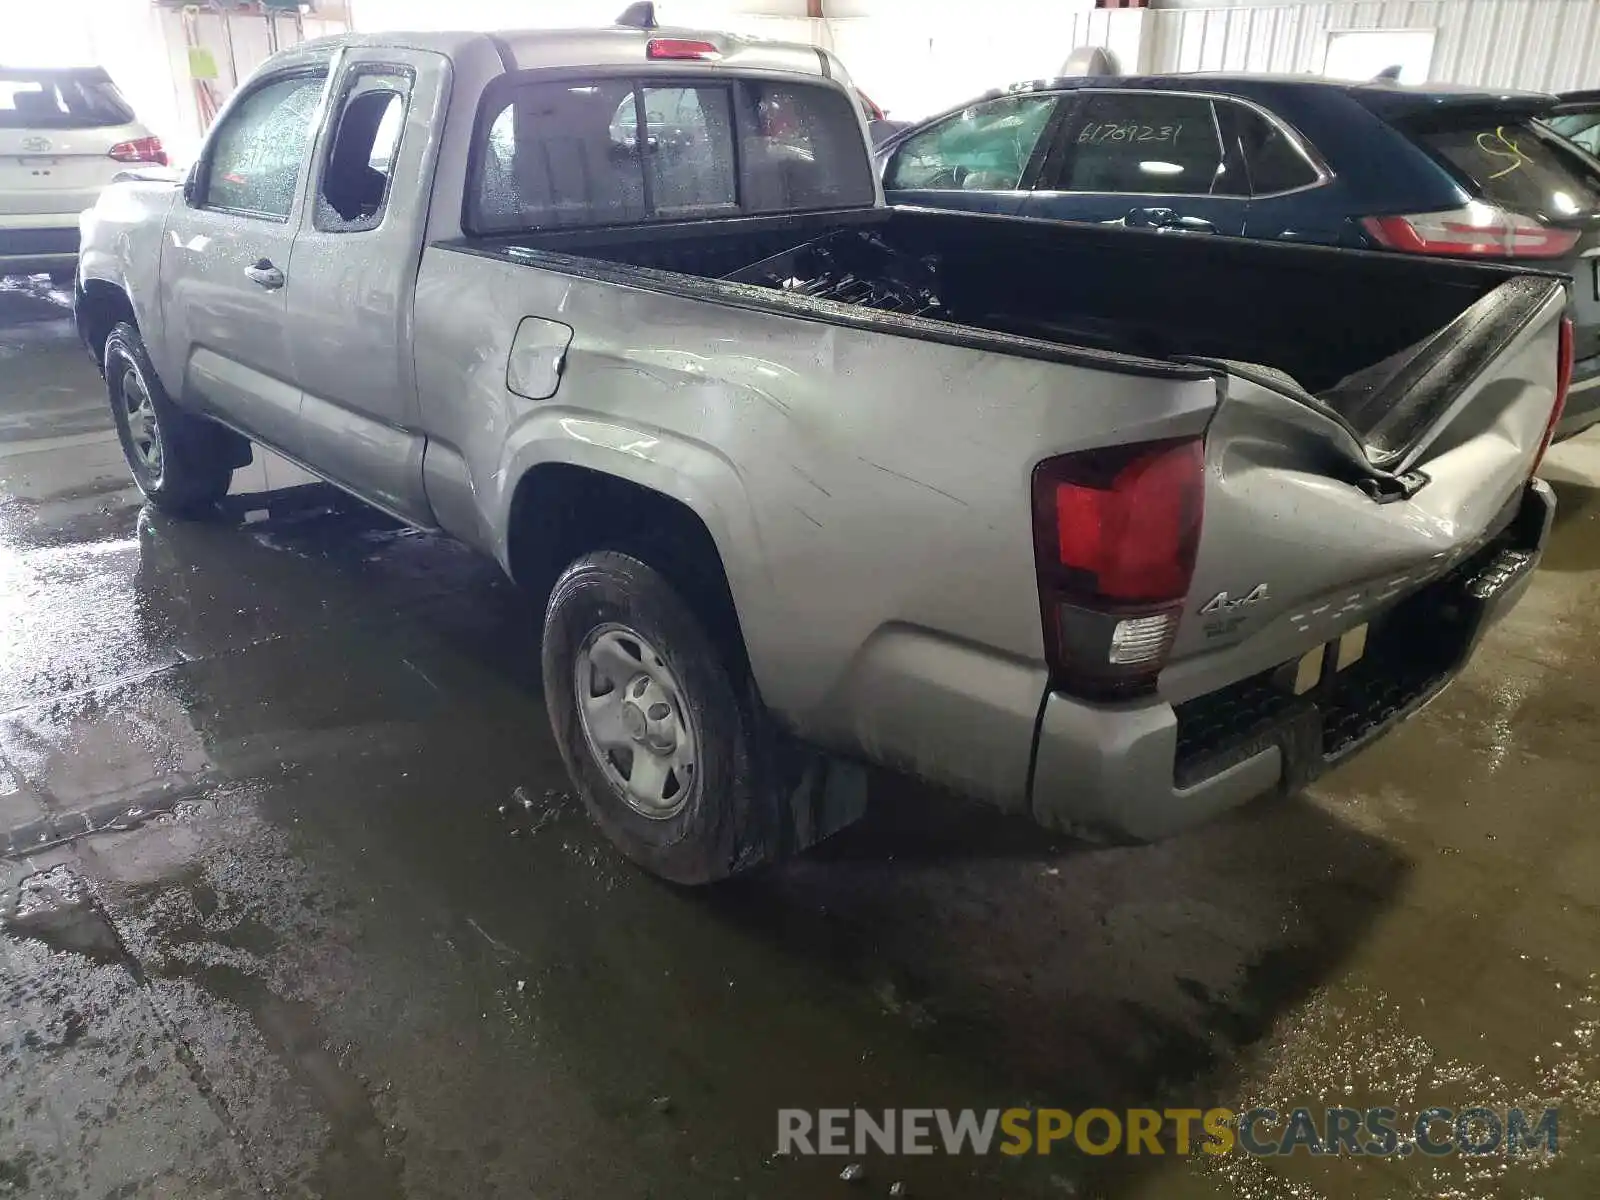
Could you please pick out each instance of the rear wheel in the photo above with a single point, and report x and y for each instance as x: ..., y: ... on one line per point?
x: 183, y: 464
x: 657, y: 726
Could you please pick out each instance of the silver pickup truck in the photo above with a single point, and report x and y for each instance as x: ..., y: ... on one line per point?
x: 1111, y: 527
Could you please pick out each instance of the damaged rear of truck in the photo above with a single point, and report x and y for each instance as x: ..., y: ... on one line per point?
x: 1116, y: 528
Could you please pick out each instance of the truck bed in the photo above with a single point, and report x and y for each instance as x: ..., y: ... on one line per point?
x: 1382, y: 342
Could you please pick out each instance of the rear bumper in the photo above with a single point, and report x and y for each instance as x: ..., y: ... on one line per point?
x: 31, y: 251
x: 1151, y: 769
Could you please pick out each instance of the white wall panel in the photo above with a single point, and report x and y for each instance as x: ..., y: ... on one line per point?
x: 239, y: 43
x: 1538, y: 44
x: 916, y: 57
x: 144, y: 50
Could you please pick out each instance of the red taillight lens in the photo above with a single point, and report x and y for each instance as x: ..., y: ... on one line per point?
x: 1128, y: 531
x: 1564, y: 355
x: 1116, y: 533
x: 1476, y: 231
x: 139, y: 150
x: 874, y: 113
x: 681, y: 48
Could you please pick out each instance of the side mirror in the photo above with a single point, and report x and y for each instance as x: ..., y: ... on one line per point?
x: 191, y: 183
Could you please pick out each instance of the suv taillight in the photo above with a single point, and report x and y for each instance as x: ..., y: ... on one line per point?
x: 1477, y: 231
x: 1564, y: 356
x: 1115, y: 535
x: 139, y: 150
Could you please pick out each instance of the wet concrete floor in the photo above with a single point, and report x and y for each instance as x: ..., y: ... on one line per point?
x: 295, y: 902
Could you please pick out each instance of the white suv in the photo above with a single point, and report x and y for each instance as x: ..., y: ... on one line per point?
x: 64, y: 135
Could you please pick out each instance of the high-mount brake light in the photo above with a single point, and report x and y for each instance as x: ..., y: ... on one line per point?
x: 681, y: 48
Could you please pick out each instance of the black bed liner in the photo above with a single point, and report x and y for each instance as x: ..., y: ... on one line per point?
x: 1383, y: 342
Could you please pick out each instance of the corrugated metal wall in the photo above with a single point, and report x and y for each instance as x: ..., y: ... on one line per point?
x: 1549, y: 45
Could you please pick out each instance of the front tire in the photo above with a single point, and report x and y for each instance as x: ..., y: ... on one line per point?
x: 656, y: 723
x: 183, y: 464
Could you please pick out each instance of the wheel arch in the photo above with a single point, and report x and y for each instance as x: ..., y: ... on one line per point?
x: 560, y: 510
x: 99, y: 307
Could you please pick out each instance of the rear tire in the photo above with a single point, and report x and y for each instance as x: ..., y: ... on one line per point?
x: 183, y: 464
x: 669, y: 755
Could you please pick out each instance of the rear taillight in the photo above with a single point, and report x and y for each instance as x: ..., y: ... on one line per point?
x: 874, y: 113
x: 1564, y: 355
x: 1476, y: 231
x: 139, y: 150
x: 1115, y: 535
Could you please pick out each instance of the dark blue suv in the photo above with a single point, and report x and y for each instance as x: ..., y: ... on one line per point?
x: 1422, y: 171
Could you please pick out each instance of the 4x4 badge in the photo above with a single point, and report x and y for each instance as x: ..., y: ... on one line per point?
x: 1221, y: 603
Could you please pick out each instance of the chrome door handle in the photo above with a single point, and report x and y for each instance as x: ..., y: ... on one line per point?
x: 265, y: 274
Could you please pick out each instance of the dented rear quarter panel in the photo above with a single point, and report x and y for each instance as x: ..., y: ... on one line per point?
x: 120, y: 245
x: 863, y: 488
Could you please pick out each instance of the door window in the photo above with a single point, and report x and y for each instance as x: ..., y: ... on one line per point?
x: 252, y: 165
x: 1275, y: 163
x: 355, y: 178
x: 986, y: 147
x: 1145, y: 143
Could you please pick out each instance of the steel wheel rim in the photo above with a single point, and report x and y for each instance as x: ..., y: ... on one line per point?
x: 144, y: 431
x: 636, y: 721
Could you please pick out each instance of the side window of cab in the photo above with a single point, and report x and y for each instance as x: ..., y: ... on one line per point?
x: 354, y: 189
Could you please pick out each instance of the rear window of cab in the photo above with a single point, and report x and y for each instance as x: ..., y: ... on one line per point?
x: 563, y: 153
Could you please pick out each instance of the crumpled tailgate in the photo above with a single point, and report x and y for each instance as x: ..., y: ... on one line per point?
x: 1306, y: 537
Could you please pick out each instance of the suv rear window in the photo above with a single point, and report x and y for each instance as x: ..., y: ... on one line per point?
x: 1582, y: 128
x: 1517, y: 166
x: 60, y: 100
x: 614, y: 151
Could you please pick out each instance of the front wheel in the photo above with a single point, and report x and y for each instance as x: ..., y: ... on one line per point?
x: 656, y: 724
x: 183, y: 464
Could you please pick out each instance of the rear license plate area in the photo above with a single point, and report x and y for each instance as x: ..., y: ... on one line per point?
x: 1361, y: 682
x: 1315, y: 666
